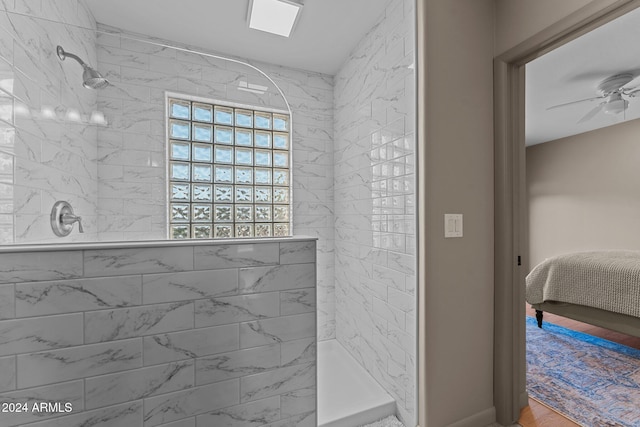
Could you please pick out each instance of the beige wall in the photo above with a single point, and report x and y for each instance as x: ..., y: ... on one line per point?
x: 584, y: 192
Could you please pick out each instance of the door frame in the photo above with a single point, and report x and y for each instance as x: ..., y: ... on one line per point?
x: 510, y: 197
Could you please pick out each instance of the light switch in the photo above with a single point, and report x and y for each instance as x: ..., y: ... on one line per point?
x: 452, y: 225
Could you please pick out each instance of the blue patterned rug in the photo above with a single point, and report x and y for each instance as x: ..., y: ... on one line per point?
x: 593, y: 381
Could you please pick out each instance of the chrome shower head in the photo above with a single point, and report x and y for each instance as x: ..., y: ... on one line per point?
x: 92, y: 79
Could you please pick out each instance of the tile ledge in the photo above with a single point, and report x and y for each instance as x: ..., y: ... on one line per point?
x: 45, y: 247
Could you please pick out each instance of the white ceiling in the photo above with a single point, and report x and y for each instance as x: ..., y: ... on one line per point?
x: 573, y: 72
x: 325, y: 34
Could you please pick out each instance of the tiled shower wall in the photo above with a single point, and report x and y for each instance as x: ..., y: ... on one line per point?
x: 184, y: 334
x: 46, y: 154
x: 374, y: 205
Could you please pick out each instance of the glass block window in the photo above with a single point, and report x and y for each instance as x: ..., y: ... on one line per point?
x: 229, y: 171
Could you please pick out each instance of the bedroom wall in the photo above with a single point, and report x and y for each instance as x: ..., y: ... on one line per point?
x: 583, y: 192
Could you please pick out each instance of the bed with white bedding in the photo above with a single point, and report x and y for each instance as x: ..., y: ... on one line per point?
x: 599, y: 287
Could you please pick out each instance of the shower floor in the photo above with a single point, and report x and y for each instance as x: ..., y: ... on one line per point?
x: 347, y: 395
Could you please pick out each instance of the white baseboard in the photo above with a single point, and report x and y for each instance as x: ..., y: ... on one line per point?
x: 483, y: 418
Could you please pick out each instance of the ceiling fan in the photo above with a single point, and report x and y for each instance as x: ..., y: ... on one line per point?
x: 613, y: 94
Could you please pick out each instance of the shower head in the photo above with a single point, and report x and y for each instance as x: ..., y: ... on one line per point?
x: 91, y: 79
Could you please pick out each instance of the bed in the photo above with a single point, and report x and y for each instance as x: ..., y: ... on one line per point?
x: 601, y: 288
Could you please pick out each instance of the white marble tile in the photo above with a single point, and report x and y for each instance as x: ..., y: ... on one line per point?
x: 187, y: 422
x: 297, y: 252
x: 298, y: 351
x: 276, y: 278
x: 68, y: 296
x: 117, y: 262
x: 25, y: 267
x: 40, y: 333
x: 297, y: 402
x: 127, y: 386
x: 7, y: 310
x: 189, y: 285
x: 195, y: 401
x: 124, y: 415
x: 231, y: 256
x: 280, y: 329
x: 241, y: 308
x: 7, y: 373
x: 78, y: 362
x: 236, y: 364
x: 277, y: 381
x: 120, y: 323
x: 307, y: 419
x: 251, y: 414
x: 190, y: 344
x: 390, y: 313
x: 297, y: 302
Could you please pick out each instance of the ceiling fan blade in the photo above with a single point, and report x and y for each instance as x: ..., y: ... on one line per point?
x: 631, y: 91
x: 575, y: 102
x: 592, y: 113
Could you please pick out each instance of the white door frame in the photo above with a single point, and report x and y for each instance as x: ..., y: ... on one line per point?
x: 511, y: 204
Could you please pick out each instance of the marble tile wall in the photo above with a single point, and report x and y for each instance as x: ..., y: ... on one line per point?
x: 189, y: 335
x: 46, y: 153
x: 374, y: 157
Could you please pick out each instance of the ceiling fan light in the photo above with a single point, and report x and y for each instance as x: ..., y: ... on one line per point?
x: 616, y: 106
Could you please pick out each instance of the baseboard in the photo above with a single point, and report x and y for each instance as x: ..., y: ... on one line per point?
x: 483, y: 418
x: 524, y: 399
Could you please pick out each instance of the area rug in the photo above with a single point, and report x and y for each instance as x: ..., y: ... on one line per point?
x: 592, y: 381
x: 390, y: 421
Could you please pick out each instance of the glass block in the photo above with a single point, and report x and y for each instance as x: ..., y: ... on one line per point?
x: 179, y: 231
x: 202, y: 173
x: 224, y: 115
x: 180, y: 192
x: 262, y: 120
x: 224, y: 135
x: 280, y: 123
x: 224, y: 154
x: 244, y: 213
x: 244, y: 137
x: 202, y: 133
x: 263, y: 194
x: 281, y: 213
x: 263, y: 139
x: 263, y: 158
x: 180, y: 109
x: 223, y: 231
x: 202, y: 113
x: 244, y: 230
x: 280, y: 141
x: 244, y: 194
x: 263, y: 213
x: 179, y: 130
x: 202, y: 153
x: 201, y: 193
x: 244, y: 156
x: 244, y: 118
x: 224, y: 193
x: 201, y: 231
x: 201, y: 213
x: 223, y: 213
x: 244, y: 175
x: 179, y: 150
x: 263, y: 176
x: 280, y: 230
x: 280, y: 195
x: 224, y: 174
x: 263, y: 230
x: 179, y: 171
x: 280, y: 177
x: 280, y: 159
x: 179, y: 212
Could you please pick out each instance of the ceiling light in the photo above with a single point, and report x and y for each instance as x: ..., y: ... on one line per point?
x: 274, y: 16
x: 615, y: 105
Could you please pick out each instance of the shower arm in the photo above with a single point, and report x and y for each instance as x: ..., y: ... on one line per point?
x: 62, y: 54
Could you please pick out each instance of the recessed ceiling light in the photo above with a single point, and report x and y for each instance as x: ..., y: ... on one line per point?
x: 274, y: 16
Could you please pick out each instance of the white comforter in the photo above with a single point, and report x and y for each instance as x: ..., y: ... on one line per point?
x: 609, y: 280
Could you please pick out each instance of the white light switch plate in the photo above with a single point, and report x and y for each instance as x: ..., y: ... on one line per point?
x: 452, y: 225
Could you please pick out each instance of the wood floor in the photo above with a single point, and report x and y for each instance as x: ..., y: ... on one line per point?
x: 538, y: 415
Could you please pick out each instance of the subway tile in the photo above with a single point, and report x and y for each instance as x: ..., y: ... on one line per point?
x: 389, y: 313
x: 187, y: 285
x: 307, y: 419
x: 40, y: 333
x: 277, y: 381
x: 31, y: 266
x: 276, y: 278
x: 297, y: 402
x: 190, y: 344
x: 236, y: 364
x: 124, y: 415
x: 7, y: 310
x: 298, y: 252
x: 68, y: 296
x: 232, y: 256
x: 187, y: 422
x: 298, y: 351
x: 242, y: 308
x: 280, y: 329
x: 120, y: 323
x: 187, y: 403
x: 78, y: 362
x: 120, y: 262
x: 251, y: 414
x: 7, y: 373
x: 297, y: 302
x: 127, y: 386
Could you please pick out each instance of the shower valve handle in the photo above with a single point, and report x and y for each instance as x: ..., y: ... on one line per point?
x: 69, y: 219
